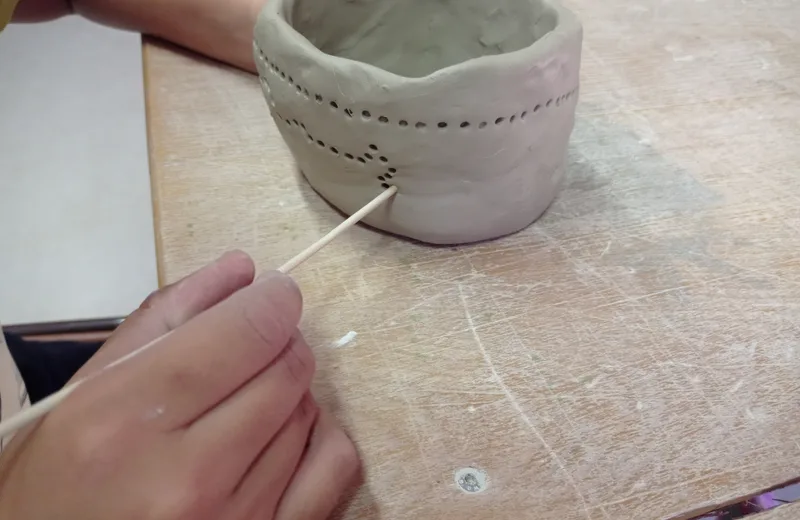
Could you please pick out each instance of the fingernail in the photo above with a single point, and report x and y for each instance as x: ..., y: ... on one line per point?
x: 276, y: 276
x: 234, y: 253
x: 284, y: 284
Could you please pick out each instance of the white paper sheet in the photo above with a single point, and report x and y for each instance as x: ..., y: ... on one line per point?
x: 76, y: 221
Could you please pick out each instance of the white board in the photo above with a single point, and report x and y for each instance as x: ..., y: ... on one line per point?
x: 76, y: 221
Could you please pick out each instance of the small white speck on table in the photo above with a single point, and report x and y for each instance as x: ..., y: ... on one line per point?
x: 344, y: 340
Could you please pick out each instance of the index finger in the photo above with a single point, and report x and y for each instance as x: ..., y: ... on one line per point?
x: 207, y: 359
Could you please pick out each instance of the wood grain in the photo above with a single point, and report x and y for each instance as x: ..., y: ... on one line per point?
x: 786, y: 512
x: 633, y: 355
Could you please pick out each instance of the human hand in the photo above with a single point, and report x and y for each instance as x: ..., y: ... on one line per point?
x: 219, y: 30
x: 214, y: 422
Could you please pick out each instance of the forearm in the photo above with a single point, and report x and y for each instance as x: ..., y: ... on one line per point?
x: 220, y: 29
x: 41, y: 10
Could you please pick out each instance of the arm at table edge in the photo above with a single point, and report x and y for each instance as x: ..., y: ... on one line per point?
x: 219, y: 30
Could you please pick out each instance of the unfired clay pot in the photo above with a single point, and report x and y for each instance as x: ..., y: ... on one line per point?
x: 466, y: 106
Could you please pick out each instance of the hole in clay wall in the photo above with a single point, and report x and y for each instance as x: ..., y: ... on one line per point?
x: 420, y: 125
x: 320, y: 144
x: 385, y: 185
x: 388, y: 175
x: 335, y: 150
x: 381, y: 178
x: 361, y: 160
x: 392, y: 170
x: 383, y: 159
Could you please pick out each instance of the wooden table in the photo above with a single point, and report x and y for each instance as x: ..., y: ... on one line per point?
x: 632, y: 355
x: 787, y: 512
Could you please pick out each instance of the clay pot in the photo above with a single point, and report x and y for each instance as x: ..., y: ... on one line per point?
x: 467, y: 107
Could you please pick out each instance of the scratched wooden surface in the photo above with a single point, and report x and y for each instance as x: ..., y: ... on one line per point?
x: 633, y: 355
x: 787, y: 512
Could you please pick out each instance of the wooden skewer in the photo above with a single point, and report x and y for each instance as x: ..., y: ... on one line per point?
x: 47, y: 404
x: 338, y: 230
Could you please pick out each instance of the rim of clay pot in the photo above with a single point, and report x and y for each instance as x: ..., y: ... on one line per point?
x: 567, y: 24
